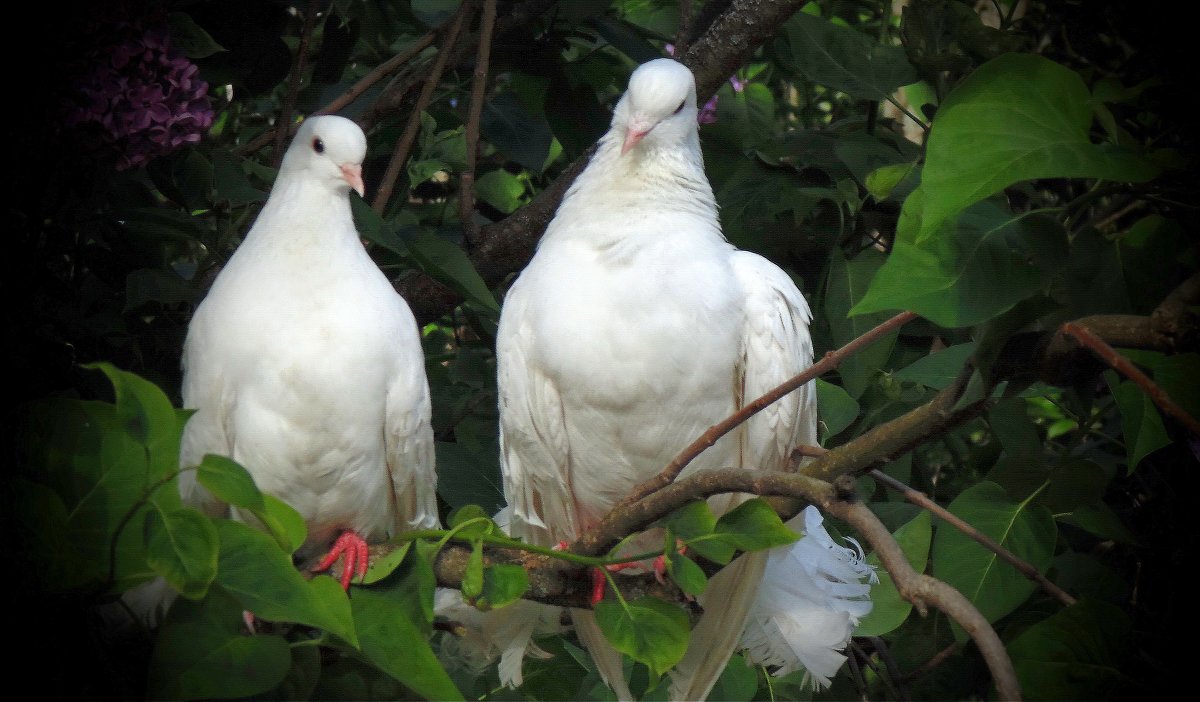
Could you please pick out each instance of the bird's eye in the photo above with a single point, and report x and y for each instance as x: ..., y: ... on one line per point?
x: 318, y: 145
x: 680, y: 108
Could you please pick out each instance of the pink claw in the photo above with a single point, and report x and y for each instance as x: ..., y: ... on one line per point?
x: 355, y: 562
x: 660, y: 570
x: 599, y: 581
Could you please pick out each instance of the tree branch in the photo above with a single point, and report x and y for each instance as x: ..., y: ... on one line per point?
x: 293, y: 89
x: 466, y: 191
x: 400, y: 155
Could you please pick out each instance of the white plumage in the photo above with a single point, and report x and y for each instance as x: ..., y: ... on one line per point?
x: 306, y: 367
x: 635, y: 327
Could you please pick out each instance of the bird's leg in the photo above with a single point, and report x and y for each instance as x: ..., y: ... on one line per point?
x: 248, y: 619
x: 354, y: 549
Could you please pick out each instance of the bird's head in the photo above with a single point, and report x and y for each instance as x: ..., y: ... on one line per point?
x: 330, y: 149
x: 659, y: 107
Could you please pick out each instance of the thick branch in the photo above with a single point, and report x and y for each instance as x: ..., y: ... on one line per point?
x: 923, y: 590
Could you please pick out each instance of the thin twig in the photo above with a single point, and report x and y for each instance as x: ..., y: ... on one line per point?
x: 1126, y: 368
x: 889, y: 662
x: 874, y: 666
x: 715, y: 432
x: 400, y: 155
x: 466, y: 188
x: 380, y: 72
x: 293, y: 88
x: 922, y: 500
x: 938, y: 658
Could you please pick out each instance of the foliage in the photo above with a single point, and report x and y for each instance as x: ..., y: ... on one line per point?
x: 995, y: 177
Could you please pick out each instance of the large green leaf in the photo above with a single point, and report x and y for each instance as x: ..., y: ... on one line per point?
x: 1025, y: 528
x: 202, y: 651
x: 148, y: 417
x: 252, y: 568
x: 888, y: 608
x: 845, y: 285
x: 1140, y: 420
x: 181, y: 546
x: 1017, y: 117
x: 449, y: 264
x: 845, y: 59
x: 1077, y: 653
x: 978, y: 266
x: 393, y: 642
x: 523, y: 137
x: 501, y: 190
x: 836, y: 408
x: 647, y: 630
x: 938, y: 369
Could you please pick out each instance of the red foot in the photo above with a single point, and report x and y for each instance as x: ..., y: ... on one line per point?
x: 354, y: 548
x: 248, y: 620
x: 599, y: 581
x: 660, y: 570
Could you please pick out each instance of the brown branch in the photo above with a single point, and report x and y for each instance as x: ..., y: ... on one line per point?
x: 293, y: 88
x: 683, y: 34
x: 466, y: 192
x: 379, y: 73
x: 404, y: 145
x: 922, y: 500
x: 923, y: 590
x: 1126, y: 368
x: 831, y: 361
x: 938, y: 658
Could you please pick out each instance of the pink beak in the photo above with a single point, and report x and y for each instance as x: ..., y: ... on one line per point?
x: 632, y: 137
x: 353, y: 175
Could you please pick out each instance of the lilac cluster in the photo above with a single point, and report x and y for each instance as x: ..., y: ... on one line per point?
x: 141, y: 97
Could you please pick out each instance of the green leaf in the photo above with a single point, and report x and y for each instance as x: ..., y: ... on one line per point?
x: 373, y: 228
x: 462, y: 480
x: 686, y: 574
x: 837, y: 409
x: 694, y: 524
x: 501, y: 190
x: 190, y: 38
x: 394, y: 643
x: 1019, y: 117
x: 648, y: 630
x: 738, y: 682
x: 886, y: 180
x: 450, y: 264
x: 156, y: 285
x: 472, y: 580
x: 252, y: 568
x: 421, y: 171
x: 1099, y: 519
x: 845, y: 285
x: 503, y: 584
x: 433, y: 13
x: 888, y: 608
x: 284, y: 523
x: 845, y: 59
x: 753, y: 526
x: 380, y: 568
x: 625, y: 39
x: 202, y: 651
x: 976, y: 267
x: 230, y: 182
x: 1076, y: 653
x: 148, y: 416
x: 1024, y: 528
x: 515, y: 132
x: 229, y: 482
x: 1140, y: 420
x: 181, y: 546
x: 1016, y: 432
x: 938, y: 369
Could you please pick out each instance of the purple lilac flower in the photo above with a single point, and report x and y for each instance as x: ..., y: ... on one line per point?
x: 708, y: 113
x: 139, y: 97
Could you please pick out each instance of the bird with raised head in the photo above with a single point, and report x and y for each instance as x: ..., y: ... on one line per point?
x: 634, y: 328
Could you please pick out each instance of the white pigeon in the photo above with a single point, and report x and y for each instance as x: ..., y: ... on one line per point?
x: 305, y: 365
x: 634, y: 328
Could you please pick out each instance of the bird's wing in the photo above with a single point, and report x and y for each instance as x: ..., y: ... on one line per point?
x: 534, y: 448
x: 210, y: 429
x: 777, y: 345
x: 408, y: 442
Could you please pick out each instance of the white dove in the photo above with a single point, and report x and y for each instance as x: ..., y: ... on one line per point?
x: 305, y: 365
x: 634, y: 328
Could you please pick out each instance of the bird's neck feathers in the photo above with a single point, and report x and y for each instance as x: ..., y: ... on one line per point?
x: 664, y: 178
x: 305, y: 212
